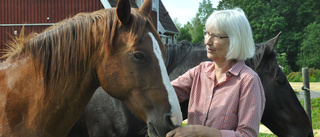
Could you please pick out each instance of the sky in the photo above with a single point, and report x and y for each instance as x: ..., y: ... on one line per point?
x: 184, y: 10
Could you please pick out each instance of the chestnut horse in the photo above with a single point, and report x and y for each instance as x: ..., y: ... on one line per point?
x: 48, y: 78
x: 283, y: 114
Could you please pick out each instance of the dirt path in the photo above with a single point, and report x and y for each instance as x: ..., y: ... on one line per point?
x: 314, y: 87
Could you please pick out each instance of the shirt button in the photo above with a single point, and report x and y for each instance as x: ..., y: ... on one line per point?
x: 228, y: 74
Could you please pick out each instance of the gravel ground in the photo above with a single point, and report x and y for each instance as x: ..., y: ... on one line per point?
x: 313, y: 94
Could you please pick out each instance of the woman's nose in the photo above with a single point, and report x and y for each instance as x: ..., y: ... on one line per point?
x: 208, y: 41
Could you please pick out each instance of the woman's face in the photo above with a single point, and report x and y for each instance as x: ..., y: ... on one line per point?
x: 217, y: 44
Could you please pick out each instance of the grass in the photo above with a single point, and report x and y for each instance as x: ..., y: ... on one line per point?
x: 315, y: 112
x: 266, y: 135
x: 184, y: 124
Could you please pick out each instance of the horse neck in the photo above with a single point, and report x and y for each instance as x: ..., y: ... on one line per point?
x: 175, y: 55
x: 68, y: 102
x: 38, y: 110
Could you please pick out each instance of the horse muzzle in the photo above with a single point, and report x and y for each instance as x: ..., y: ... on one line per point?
x: 159, y: 128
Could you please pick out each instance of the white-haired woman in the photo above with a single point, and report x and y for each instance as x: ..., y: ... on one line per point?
x: 226, y: 97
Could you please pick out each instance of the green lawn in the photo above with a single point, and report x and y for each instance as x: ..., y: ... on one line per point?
x: 315, y: 112
x: 266, y: 135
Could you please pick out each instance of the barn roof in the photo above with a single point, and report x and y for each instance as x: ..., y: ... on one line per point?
x: 165, y: 19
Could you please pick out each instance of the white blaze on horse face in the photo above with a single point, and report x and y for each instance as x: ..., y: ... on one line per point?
x: 176, y: 116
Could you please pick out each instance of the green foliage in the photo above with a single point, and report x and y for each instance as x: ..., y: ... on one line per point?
x: 314, y: 76
x: 294, y: 77
x: 266, y: 135
x: 184, y: 34
x: 269, y: 17
x: 197, y: 30
x: 286, y: 70
x: 297, y: 19
x: 204, y: 11
x: 184, y: 31
x: 309, y: 55
x: 282, y: 61
x: 315, y: 112
x: 197, y: 24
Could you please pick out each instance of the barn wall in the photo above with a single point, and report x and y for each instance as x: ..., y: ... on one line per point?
x: 36, y: 15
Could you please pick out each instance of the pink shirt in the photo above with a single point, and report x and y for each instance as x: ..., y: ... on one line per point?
x: 234, y: 106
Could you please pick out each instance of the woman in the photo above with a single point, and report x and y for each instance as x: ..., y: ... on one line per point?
x: 226, y: 96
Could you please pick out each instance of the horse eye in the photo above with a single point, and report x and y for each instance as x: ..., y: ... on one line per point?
x: 280, y: 80
x: 138, y: 58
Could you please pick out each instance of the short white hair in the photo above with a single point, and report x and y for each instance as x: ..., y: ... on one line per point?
x: 235, y: 24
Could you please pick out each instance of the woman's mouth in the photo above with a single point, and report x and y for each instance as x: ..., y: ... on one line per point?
x: 210, y: 50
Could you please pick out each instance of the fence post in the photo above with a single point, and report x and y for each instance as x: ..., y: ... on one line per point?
x: 306, y: 88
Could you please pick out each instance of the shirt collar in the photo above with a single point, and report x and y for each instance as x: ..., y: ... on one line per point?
x: 235, y: 70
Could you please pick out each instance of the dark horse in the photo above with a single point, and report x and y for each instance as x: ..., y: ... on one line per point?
x: 48, y: 78
x: 283, y: 113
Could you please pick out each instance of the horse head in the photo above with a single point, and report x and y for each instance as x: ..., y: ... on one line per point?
x: 283, y: 113
x: 136, y: 63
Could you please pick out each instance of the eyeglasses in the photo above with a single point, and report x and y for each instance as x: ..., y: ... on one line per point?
x: 212, y: 35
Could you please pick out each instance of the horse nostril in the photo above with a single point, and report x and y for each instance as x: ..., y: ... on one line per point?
x: 169, y: 121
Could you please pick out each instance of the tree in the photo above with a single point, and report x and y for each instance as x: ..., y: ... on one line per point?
x: 184, y: 34
x: 196, y: 30
x: 198, y: 23
x: 184, y: 31
x: 310, y: 47
x: 268, y: 17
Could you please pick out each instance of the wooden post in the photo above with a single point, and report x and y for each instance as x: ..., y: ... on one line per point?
x: 306, y: 88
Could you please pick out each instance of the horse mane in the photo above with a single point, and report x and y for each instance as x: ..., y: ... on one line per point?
x: 271, y: 63
x: 263, y: 58
x: 255, y: 61
x: 176, y: 53
x: 71, y: 47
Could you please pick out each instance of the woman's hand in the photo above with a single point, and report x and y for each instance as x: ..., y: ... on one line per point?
x: 194, y: 131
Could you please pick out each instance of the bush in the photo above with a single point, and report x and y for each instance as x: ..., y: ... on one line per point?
x: 286, y: 70
x: 295, y: 77
x: 314, y: 76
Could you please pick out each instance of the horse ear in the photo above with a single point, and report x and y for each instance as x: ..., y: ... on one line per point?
x: 146, y: 7
x: 271, y: 44
x: 124, y: 11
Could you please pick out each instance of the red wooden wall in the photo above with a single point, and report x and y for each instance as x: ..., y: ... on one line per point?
x: 36, y: 15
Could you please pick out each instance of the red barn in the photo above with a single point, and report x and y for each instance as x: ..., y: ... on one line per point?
x: 36, y: 15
